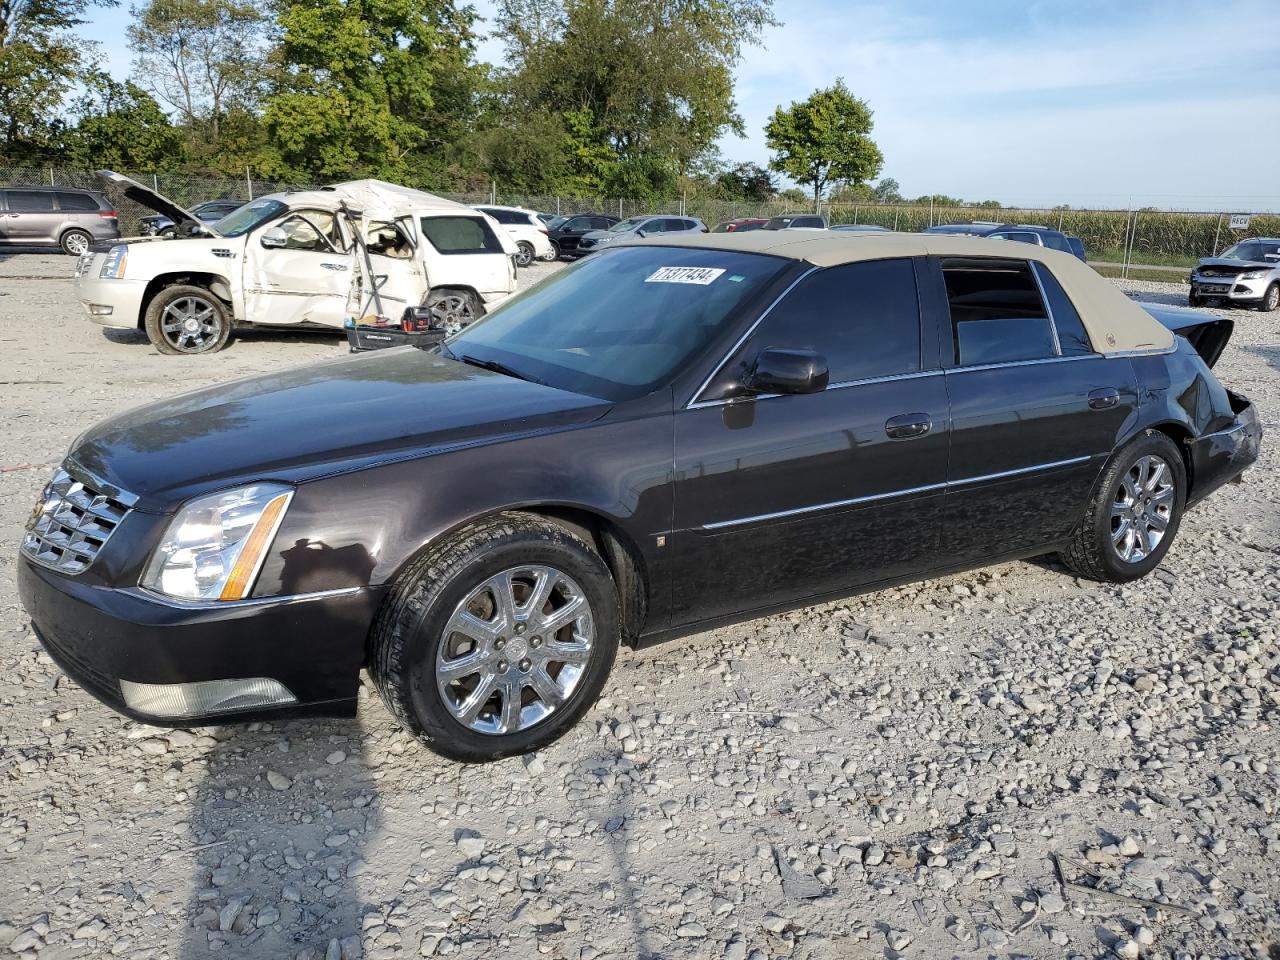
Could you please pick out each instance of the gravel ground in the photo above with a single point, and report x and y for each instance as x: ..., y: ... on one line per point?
x: 887, y: 776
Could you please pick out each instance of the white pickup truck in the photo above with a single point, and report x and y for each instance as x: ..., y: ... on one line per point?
x: 290, y: 259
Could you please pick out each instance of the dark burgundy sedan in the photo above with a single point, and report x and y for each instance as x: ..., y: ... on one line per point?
x: 673, y: 434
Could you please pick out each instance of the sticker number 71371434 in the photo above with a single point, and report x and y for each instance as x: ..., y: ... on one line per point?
x: 702, y: 276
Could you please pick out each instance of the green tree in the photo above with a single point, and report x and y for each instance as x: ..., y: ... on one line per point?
x: 991, y: 204
x: 204, y: 59
x: 355, y: 84
x: 122, y: 127
x: 649, y: 81
x: 824, y: 139
x: 887, y: 190
x: 746, y: 182
x: 41, y: 60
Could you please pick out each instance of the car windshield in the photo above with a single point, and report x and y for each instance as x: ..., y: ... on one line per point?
x: 1259, y: 251
x: 627, y: 225
x: 241, y: 221
x: 619, y: 324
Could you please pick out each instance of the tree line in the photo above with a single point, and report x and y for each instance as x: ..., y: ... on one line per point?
x: 622, y: 98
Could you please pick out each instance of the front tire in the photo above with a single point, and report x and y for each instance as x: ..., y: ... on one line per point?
x: 1134, y: 513
x: 75, y: 242
x: 1270, y: 299
x: 497, y: 641
x: 524, y: 256
x: 186, y: 319
x: 1194, y: 301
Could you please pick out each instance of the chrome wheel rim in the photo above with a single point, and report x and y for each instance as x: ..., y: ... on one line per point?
x: 525, y: 256
x: 1142, y: 509
x: 514, y: 650
x: 77, y: 243
x: 1273, y: 298
x: 452, y: 312
x: 190, y: 324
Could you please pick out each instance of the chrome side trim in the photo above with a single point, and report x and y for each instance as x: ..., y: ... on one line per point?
x: 250, y: 602
x: 832, y: 386
x: 1048, y: 310
x: 835, y: 504
x: 743, y: 339
x: 1025, y: 363
x: 871, y: 498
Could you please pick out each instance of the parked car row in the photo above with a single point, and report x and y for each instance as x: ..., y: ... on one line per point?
x: 211, y: 211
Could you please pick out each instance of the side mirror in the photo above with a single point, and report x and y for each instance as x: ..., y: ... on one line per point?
x: 787, y: 371
x: 639, y: 233
x: 275, y: 239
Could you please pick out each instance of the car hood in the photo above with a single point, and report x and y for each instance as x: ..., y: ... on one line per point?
x: 316, y: 420
x: 1207, y: 331
x: 1239, y: 264
x: 138, y: 193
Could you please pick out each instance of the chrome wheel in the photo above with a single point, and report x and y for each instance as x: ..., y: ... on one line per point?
x: 452, y: 311
x: 191, y: 324
x: 76, y: 243
x: 514, y: 650
x: 525, y: 256
x: 1142, y: 508
x: 1272, y: 299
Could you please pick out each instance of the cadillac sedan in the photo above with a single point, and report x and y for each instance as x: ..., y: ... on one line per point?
x: 674, y: 434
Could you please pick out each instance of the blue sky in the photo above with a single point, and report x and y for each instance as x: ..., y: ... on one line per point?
x: 1092, y: 103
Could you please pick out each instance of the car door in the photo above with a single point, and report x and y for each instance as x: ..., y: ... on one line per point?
x: 783, y: 498
x: 307, y: 280
x: 464, y: 251
x: 1035, y: 411
x: 397, y: 269
x: 30, y: 216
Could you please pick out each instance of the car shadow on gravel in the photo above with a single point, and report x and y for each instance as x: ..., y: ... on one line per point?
x: 279, y: 824
x: 1271, y: 355
x: 244, y: 338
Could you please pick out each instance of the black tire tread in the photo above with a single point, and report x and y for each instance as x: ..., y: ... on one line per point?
x: 151, y: 318
x: 416, y: 588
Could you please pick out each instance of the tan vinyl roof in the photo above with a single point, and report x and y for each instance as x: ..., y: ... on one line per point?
x: 1114, y: 322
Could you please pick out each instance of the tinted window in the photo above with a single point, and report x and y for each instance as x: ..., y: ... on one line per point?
x: 601, y: 223
x: 997, y: 315
x: 864, y: 318
x: 80, y: 202
x: 455, y: 235
x: 30, y: 201
x: 1057, y: 241
x: 578, y: 223
x: 1020, y: 235
x: 1072, y: 336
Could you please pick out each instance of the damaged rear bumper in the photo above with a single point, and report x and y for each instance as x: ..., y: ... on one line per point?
x: 1219, y: 457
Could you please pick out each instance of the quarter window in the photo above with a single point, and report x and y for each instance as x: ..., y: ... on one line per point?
x: 77, y: 202
x: 460, y: 235
x: 1072, y: 336
x: 997, y: 315
x: 864, y: 318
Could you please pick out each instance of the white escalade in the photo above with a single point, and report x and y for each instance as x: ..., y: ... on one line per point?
x: 289, y: 259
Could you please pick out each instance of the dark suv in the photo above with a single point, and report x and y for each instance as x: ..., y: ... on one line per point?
x: 566, y: 234
x: 48, y: 216
x: 1041, y: 237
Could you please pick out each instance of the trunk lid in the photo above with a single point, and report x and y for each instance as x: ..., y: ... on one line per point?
x: 1206, y: 331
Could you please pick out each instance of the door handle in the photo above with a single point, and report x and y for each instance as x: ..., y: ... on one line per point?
x: 908, y: 426
x: 334, y: 266
x: 1104, y: 398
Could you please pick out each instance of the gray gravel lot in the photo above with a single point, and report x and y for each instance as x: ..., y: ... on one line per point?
x: 888, y: 776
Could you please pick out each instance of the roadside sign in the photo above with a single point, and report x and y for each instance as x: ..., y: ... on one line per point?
x: 1240, y: 221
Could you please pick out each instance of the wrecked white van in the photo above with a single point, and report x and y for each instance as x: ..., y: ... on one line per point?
x: 292, y: 259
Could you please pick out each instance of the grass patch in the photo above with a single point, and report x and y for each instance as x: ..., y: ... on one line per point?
x: 1137, y: 273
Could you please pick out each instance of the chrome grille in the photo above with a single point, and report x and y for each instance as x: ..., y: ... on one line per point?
x: 71, y: 523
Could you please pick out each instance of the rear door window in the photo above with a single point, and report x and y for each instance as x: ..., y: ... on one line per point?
x: 997, y: 314
x: 77, y: 202
x: 30, y: 201
x: 460, y: 235
x: 864, y: 318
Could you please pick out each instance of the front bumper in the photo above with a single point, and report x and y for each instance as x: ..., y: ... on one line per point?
x: 1219, y: 457
x: 312, y: 644
x: 1229, y: 288
x: 122, y: 297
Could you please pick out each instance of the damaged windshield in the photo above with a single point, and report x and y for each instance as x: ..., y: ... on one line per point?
x: 617, y: 325
x: 241, y: 221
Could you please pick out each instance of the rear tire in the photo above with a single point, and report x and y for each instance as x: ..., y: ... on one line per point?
x: 75, y: 242
x: 1133, y: 514
x: 452, y: 309
x: 1270, y: 299
x: 525, y: 255
x: 444, y: 638
x: 552, y: 255
x: 186, y: 319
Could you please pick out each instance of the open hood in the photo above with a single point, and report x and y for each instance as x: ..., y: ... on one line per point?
x: 182, y: 218
x: 1207, y: 332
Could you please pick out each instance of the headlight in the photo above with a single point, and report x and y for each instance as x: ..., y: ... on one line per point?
x: 1254, y: 274
x: 215, y: 546
x: 113, y: 266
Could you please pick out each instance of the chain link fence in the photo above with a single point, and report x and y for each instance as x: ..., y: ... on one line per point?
x: 1171, y: 238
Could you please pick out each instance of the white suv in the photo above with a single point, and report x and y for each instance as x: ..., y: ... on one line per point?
x: 290, y: 259
x: 526, y: 228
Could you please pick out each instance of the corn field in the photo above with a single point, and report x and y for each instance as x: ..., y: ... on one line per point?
x: 1146, y: 236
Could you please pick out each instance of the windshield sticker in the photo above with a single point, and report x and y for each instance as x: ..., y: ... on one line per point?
x: 702, y: 276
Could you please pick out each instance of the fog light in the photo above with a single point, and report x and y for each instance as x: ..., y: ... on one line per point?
x: 173, y: 700
x: 100, y: 309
